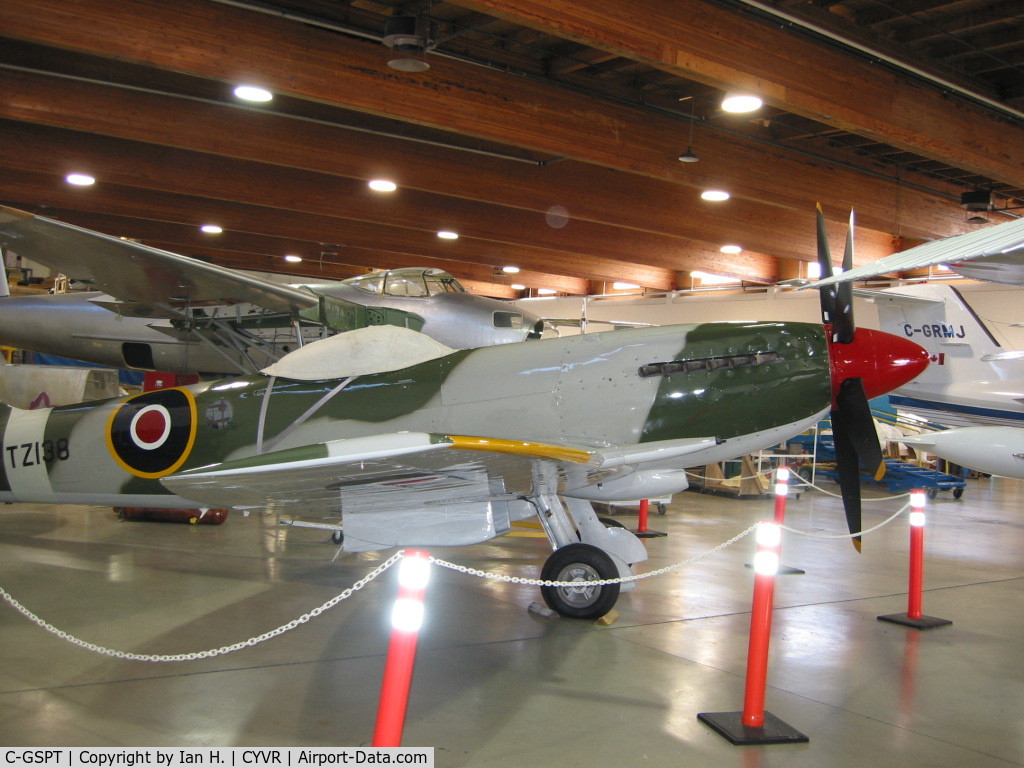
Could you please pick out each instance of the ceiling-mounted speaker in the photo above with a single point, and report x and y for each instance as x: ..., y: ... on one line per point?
x: 410, y: 34
x: 976, y: 200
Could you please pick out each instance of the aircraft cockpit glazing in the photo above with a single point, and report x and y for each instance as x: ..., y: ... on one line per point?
x: 409, y: 282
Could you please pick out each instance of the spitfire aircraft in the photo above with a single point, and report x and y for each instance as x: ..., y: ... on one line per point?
x: 157, y: 310
x: 425, y: 446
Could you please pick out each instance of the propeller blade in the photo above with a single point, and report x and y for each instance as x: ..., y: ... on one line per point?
x: 827, y: 294
x: 862, y: 362
x: 857, y: 445
x: 849, y: 477
x: 855, y: 413
x: 848, y: 253
x: 843, y: 328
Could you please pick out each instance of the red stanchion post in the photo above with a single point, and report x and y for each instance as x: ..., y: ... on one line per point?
x: 641, y: 524
x: 916, y: 580
x: 753, y: 725
x: 766, y: 565
x: 915, y: 588
x: 406, y: 619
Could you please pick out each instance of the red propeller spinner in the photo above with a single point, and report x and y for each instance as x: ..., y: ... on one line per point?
x: 883, y: 362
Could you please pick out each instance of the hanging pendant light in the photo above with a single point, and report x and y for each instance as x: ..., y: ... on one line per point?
x: 688, y: 156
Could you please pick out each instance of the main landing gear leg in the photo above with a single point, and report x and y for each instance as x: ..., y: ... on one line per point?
x: 585, y: 551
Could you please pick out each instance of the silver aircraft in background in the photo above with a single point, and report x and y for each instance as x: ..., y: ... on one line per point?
x: 157, y: 310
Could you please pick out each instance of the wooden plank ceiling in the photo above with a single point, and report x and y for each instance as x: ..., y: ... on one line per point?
x: 545, y: 132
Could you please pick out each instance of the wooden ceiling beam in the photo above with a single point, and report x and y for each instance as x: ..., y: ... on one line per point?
x: 479, y: 102
x: 44, y: 189
x: 47, y: 150
x: 587, y: 192
x: 713, y: 45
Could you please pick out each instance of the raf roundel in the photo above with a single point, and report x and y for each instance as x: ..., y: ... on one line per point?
x: 150, y: 435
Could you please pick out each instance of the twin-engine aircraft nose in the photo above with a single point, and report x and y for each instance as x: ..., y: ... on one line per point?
x: 883, y: 362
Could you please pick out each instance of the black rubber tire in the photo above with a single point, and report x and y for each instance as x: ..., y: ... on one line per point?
x: 610, y: 522
x: 338, y: 537
x: 582, y: 562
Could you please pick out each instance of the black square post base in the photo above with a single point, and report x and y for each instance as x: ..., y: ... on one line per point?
x: 784, y: 570
x: 925, y: 622
x: 648, y: 534
x: 730, y: 725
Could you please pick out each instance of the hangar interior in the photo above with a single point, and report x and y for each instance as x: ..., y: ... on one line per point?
x: 570, y: 142
x: 498, y: 685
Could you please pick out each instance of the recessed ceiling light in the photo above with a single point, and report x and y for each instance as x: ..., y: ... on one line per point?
x: 211, y: 229
x: 293, y: 258
x: 714, y: 195
x: 517, y: 287
x: 382, y: 185
x: 80, y: 179
x: 446, y: 234
x: 406, y: 64
x: 624, y: 286
x: 741, y: 102
x: 731, y: 249
x: 546, y: 291
x: 510, y: 270
x: 253, y: 93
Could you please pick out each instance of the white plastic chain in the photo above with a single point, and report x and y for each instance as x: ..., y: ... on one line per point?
x: 794, y: 479
x: 882, y: 524
x: 597, y: 582
x: 214, y: 651
x: 347, y: 593
x: 807, y: 483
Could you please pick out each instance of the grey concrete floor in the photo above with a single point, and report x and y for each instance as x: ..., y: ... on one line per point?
x: 496, y: 685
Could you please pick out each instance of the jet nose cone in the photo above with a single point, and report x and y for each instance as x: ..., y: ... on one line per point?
x: 882, y: 361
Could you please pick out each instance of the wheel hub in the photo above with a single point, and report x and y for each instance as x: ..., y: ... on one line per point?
x: 584, y: 594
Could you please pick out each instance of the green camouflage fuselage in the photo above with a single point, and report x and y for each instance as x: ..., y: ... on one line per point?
x: 748, y: 384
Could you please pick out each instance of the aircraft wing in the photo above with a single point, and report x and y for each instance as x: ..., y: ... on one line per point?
x: 995, y: 254
x: 410, y: 469
x: 150, y: 282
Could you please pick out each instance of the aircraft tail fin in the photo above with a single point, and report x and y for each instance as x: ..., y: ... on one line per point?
x: 972, y: 377
x: 937, y: 317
